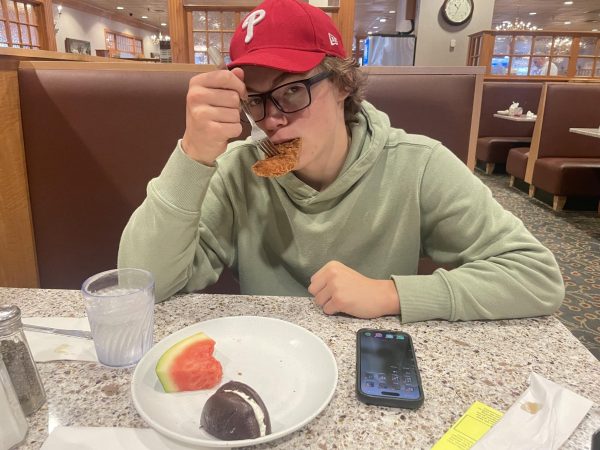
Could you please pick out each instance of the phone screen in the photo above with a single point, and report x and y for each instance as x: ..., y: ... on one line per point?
x: 387, y: 365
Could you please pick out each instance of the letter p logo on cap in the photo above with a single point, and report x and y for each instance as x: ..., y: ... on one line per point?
x: 252, y: 19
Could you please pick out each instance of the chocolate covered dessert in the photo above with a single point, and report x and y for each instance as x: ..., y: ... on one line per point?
x: 235, y: 412
x: 282, y: 163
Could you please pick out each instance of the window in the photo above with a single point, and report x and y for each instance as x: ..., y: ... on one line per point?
x: 552, y: 54
x: 588, y: 60
x: 547, y: 60
x: 123, y: 45
x: 19, y: 24
x: 522, y: 55
x: 214, y: 28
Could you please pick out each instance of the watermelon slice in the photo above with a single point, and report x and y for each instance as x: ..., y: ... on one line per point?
x: 189, y: 365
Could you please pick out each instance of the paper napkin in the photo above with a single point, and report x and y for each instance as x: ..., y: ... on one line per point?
x: 56, y: 347
x: 101, y: 438
x: 543, y: 417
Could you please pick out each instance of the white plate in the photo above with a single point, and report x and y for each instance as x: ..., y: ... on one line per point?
x: 292, y: 370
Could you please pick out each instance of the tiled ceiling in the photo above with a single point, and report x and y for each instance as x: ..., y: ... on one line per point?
x: 584, y: 15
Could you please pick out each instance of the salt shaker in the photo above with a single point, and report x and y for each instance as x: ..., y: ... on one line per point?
x: 19, y: 363
x: 14, y: 425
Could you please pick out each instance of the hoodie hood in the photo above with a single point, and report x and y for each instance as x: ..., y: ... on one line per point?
x: 369, y: 136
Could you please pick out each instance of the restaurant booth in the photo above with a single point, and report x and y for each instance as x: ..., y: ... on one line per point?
x: 88, y: 137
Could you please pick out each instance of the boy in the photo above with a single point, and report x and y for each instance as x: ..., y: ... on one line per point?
x: 348, y: 225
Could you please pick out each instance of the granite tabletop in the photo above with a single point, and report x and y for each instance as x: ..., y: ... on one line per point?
x: 460, y: 363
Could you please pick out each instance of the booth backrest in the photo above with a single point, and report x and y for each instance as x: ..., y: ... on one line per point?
x: 497, y: 96
x: 569, y: 105
x: 436, y: 105
x: 94, y: 138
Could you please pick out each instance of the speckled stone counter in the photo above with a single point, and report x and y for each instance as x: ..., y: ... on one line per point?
x: 459, y: 363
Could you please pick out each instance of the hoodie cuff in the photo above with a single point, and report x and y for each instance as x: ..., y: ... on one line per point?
x: 423, y: 297
x: 183, y: 182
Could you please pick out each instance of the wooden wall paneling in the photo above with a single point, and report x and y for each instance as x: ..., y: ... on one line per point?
x: 178, y: 32
x: 23, y: 54
x: 46, y: 26
x: 345, y: 22
x: 485, y: 52
x: 4, y: 6
x: 572, y: 67
x: 124, y: 65
x: 18, y: 263
x: 535, y: 139
x: 189, y: 20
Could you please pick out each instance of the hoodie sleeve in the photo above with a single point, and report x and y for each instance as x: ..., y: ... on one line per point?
x: 502, y: 270
x: 166, y: 235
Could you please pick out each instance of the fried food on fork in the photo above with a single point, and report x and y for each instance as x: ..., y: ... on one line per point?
x: 282, y: 163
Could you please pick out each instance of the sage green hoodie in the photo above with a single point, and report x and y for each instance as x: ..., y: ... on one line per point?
x: 398, y: 196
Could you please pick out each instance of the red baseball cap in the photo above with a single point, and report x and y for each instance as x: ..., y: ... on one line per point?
x: 287, y: 35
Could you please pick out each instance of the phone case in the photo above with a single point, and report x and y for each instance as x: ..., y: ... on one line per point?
x: 385, y: 400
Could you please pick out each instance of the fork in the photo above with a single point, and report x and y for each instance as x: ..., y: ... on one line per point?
x: 258, y: 136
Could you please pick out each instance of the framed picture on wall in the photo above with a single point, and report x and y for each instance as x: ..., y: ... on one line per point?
x: 77, y: 46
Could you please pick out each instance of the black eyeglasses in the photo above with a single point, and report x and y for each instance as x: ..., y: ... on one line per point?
x: 287, y: 98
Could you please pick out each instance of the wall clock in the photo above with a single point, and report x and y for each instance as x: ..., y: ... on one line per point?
x: 457, y: 12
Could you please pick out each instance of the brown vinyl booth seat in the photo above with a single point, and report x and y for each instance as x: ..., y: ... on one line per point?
x: 516, y: 163
x: 438, y: 106
x: 560, y: 162
x: 497, y: 136
x: 94, y: 137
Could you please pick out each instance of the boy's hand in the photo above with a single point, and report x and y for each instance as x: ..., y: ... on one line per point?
x: 212, y: 113
x: 338, y: 288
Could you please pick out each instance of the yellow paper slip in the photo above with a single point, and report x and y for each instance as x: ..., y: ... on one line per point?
x: 467, y: 430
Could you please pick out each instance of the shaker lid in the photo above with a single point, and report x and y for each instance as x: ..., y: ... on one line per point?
x: 10, y: 315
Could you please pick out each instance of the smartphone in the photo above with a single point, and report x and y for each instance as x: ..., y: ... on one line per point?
x: 596, y: 440
x: 386, y: 369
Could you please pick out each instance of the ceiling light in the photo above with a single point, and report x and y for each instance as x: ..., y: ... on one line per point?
x: 163, y: 24
x: 517, y: 24
x: 568, y: 3
x: 568, y: 22
x: 392, y: 12
x: 375, y: 27
x: 120, y: 7
x: 532, y: 13
x: 144, y: 17
x: 156, y: 40
x: 382, y: 20
x: 369, y: 32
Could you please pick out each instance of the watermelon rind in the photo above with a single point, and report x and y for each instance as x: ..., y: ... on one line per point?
x: 166, y: 360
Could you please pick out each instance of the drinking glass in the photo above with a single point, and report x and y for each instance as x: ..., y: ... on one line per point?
x: 120, y: 309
